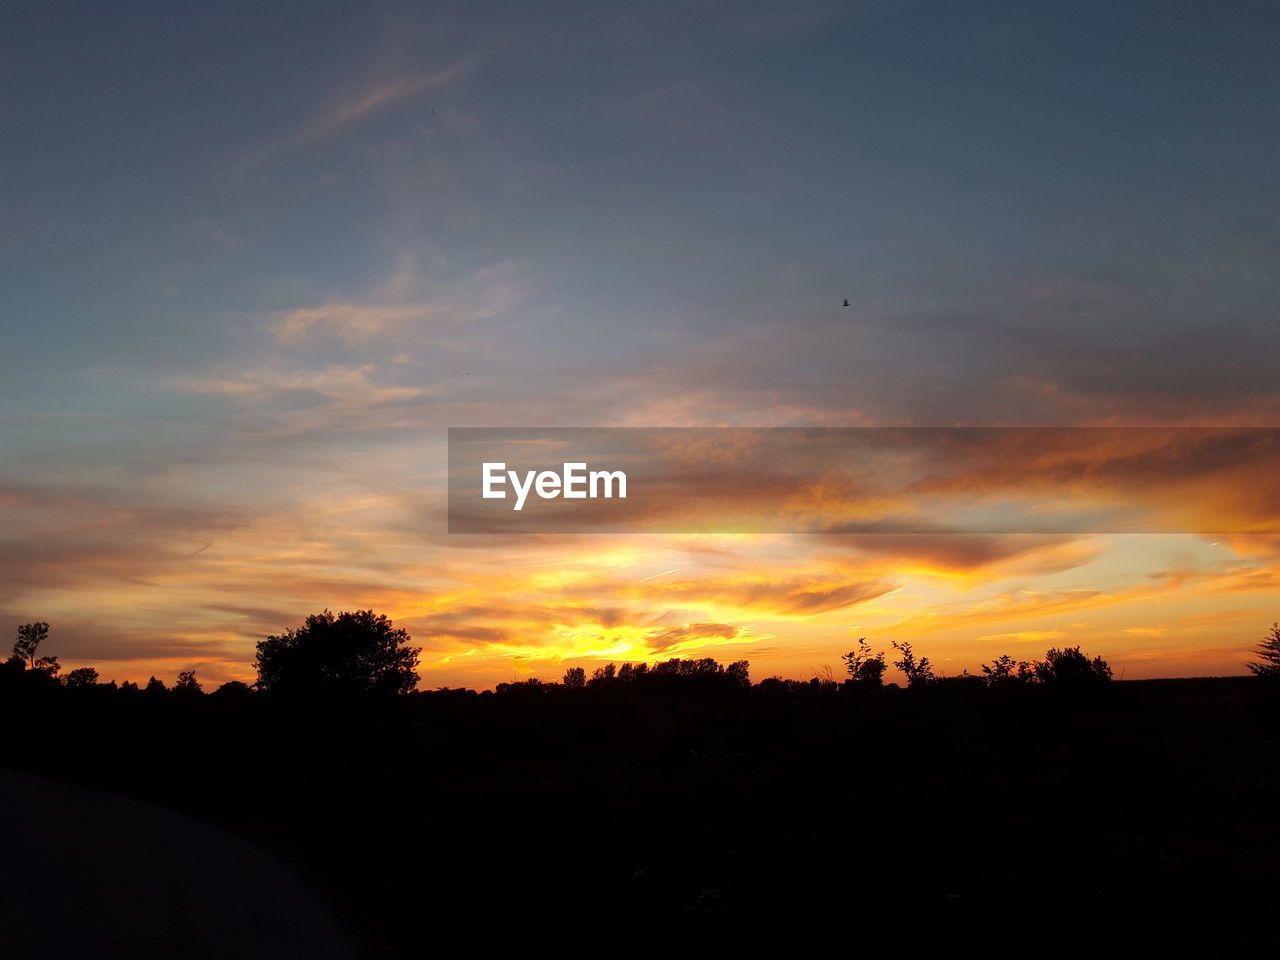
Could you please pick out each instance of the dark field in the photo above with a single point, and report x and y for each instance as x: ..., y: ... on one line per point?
x: 700, y: 810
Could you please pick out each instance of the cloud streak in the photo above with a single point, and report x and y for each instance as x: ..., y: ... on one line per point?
x: 363, y: 104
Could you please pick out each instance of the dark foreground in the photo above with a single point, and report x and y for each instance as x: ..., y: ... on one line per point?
x: 90, y: 874
x: 690, y: 812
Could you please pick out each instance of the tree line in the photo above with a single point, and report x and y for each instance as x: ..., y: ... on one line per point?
x: 363, y: 653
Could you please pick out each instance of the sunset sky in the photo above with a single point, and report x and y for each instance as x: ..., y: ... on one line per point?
x: 258, y: 258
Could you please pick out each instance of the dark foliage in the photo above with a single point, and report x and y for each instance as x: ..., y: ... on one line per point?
x: 1070, y: 667
x: 350, y: 653
x: 705, y: 804
x: 188, y: 685
x: 81, y: 677
x: 1005, y: 671
x: 233, y: 688
x: 30, y: 636
x: 713, y: 806
x: 917, y: 671
x: 864, y: 667
x: 1268, y: 653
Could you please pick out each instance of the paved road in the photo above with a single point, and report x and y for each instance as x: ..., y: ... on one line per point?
x: 88, y: 874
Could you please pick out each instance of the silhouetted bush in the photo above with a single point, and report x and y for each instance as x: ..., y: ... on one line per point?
x: 865, y: 668
x: 1005, y: 671
x: 1070, y: 667
x: 918, y: 672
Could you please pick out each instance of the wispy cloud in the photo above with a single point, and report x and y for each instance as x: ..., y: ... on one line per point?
x: 344, y: 319
x: 351, y: 384
x: 401, y: 304
x: 379, y: 97
x: 349, y: 110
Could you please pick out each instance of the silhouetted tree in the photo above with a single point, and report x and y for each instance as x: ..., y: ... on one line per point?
x: 81, y: 677
x: 351, y: 653
x: 128, y: 686
x: 531, y: 686
x: 1268, y: 653
x: 233, y: 689
x: 1070, y: 666
x: 739, y: 673
x: 575, y: 678
x: 633, y: 672
x: 865, y: 668
x: 1005, y: 670
x: 602, y: 674
x: 30, y: 636
x: 918, y: 672
x: 676, y: 667
x: 155, y: 687
x: 187, y: 684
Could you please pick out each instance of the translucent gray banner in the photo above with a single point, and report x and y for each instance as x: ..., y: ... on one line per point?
x: 995, y: 480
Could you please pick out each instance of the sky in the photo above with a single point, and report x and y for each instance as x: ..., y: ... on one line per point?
x: 258, y: 258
